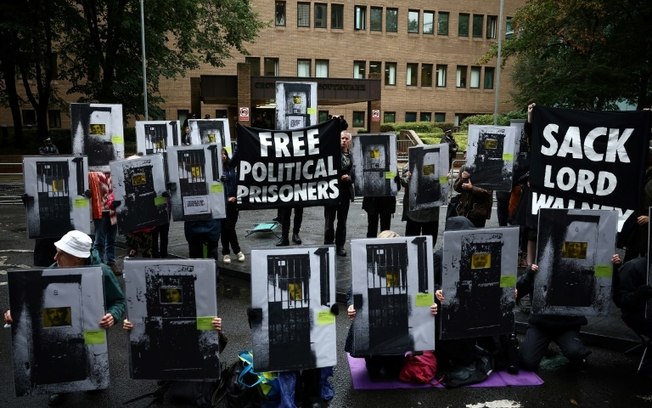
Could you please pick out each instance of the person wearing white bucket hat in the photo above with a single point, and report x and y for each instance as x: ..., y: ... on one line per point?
x: 75, y: 249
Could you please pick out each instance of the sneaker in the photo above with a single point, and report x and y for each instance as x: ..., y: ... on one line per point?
x: 54, y: 400
x: 241, y: 257
x: 226, y: 259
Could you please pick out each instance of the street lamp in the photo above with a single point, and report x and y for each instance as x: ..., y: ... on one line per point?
x: 499, y: 60
x: 142, y: 41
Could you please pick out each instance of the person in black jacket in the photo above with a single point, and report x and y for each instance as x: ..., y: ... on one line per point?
x: 542, y: 329
x: 631, y: 293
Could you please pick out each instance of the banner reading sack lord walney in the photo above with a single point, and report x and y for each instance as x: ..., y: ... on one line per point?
x: 590, y: 160
x: 288, y: 168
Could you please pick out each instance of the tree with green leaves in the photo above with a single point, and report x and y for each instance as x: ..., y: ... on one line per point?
x: 97, y: 45
x: 583, y: 54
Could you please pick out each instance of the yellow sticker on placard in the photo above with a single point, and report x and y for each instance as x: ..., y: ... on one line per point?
x: 603, y: 271
x: 81, y: 202
x: 424, y: 300
x: 217, y: 188
x: 507, y: 281
x: 325, y: 317
x: 508, y: 157
x: 160, y: 200
x: 117, y: 139
x: 94, y: 337
x: 204, y: 323
x: 312, y: 111
x: 443, y: 179
x: 390, y: 175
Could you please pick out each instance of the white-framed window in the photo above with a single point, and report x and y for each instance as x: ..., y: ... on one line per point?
x: 303, y: 68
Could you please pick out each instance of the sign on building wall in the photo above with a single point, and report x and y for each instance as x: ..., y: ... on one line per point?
x: 97, y: 132
x: 392, y: 289
x: 171, y: 304
x: 56, y: 201
x: 57, y: 343
x: 292, y: 292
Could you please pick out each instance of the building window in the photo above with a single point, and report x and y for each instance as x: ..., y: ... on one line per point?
x: 460, y: 80
x: 442, y: 23
x: 321, y: 17
x: 463, y: 25
x: 303, y: 14
x: 492, y: 27
x: 271, y: 67
x: 410, y: 116
x: 425, y: 116
x: 321, y: 68
x: 221, y: 114
x: 391, y: 20
x: 489, y: 77
x: 322, y: 116
x: 411, y: 74
x: 254, y: 65
x: 280, y: 14
x: 376, y: 19
x: 428, y: 22
x: 475, y: 77
x: 440, y: 117
x: 54, y: 119
x: 426, y: 75
x: 390, y: 73
x: 389, y: 117
x: 359, y: 69
x: 337, y: 16
x: 478, y: 20
x: 442, y: 71
x: 29, y: 117
x: 509, y: 28
x: 413, y: 21
x: 360, y: 15
x: 303, y: 68
x: 375, y: 68
x: 358, y: 119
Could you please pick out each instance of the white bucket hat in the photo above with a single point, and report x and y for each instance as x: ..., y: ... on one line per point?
x: 75, y: 243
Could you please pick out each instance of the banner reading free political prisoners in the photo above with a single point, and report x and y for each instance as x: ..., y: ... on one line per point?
x: 288, y: 168
x: 583, y: 159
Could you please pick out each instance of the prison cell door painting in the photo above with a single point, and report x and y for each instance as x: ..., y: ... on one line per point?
x: 154, y: 137
x: 574, y: 249
x: 97, y: 132
x: 171, y: 304
x: 374, y: 165
x: 196, y: 190
x: 57, y: 343
x: 490, y: 156
x: 139, y: 189
x: 478, y: 281
x: 296, y: 105
x: 392, y: 292
x: 56, y: 202
x: 428, y: 184
x: 210, y: 131
x: 292, y: 293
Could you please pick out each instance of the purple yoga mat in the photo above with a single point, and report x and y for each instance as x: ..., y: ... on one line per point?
x: 497, y: 379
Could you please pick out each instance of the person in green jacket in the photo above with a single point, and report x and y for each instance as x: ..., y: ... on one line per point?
x: 75, y: 249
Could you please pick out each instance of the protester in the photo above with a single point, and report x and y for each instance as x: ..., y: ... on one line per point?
x: 48, y: 148
x: 284, y: 217
x: 340, y: 211
x: 76, y: 249
x: 542, y: 329
x: 474, y: 202
x: 229, y: 234
x: 631, y: 293
x: 104, y: 217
